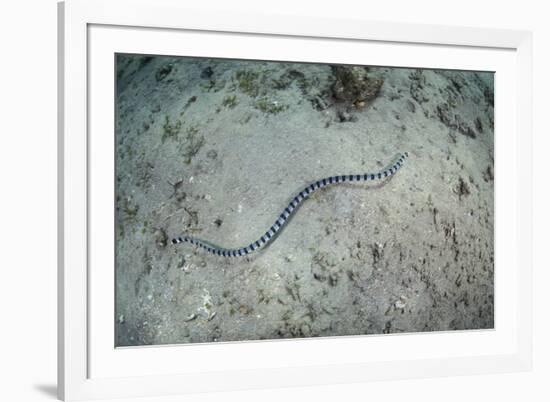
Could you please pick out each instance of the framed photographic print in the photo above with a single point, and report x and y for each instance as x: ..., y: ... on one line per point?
x: 258, y: 201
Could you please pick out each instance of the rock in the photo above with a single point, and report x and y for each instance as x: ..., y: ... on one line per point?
x: 353, y: 85
x: 417, y: 88
x: 163, y: 72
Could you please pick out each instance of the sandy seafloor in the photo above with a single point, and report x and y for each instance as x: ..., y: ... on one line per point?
x: 216, y: 149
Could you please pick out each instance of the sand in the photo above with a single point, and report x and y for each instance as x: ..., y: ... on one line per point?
x: 216, y: 149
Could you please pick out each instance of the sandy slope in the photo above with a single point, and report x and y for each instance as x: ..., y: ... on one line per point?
x: 216, y: 149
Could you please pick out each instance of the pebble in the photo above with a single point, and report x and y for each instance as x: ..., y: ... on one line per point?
x: 401, y: 303
x: 191, y: 317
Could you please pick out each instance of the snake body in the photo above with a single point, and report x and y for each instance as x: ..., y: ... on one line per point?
x: 290, y: 208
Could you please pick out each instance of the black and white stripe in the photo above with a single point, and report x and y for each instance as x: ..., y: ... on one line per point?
x: 290, y: 208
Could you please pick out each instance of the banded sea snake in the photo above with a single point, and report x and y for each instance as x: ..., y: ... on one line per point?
x: 287, y: 212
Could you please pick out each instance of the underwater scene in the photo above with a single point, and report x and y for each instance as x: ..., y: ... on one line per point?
x: 262, y: 200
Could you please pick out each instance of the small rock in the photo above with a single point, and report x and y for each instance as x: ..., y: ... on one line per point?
x: 161, y: 240
x: 400, y: 304
x: 163, y: 71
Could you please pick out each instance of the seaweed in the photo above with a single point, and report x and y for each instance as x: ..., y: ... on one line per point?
x: 268, y: 106
x: 230, y: 101
x: 193, y: 143
x: 213, y: 85
x: 247, y: 82
x: 170, y: 130
x: 130, y: 210
x: 462, y: 188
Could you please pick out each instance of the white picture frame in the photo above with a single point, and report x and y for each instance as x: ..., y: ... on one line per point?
x: 89, y: 367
